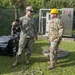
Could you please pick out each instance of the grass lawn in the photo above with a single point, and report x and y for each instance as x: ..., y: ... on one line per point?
x: 65, y: 66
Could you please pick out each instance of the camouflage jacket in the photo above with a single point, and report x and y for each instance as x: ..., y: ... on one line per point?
x: 28, y: 27
x: 55, y: 29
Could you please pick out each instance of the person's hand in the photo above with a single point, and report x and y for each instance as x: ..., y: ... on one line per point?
x: 57, y: 39
x: 14, y: 24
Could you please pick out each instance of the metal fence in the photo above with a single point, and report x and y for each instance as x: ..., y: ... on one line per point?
x: 7, y: 16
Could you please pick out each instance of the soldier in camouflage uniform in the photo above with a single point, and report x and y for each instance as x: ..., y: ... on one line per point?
x: 55, y: 35
x: 28, y: 31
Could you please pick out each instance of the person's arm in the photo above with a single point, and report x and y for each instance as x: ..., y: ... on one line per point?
x: 61, y: 30
x: 60, y: 27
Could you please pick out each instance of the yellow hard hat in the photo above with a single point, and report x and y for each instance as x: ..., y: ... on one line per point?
x: 54, y: 11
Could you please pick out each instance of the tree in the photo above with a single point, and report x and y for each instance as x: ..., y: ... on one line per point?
x: 5, y: 3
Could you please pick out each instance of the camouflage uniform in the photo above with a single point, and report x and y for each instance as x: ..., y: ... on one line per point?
x: 55, y: 31
x: 28, y: 31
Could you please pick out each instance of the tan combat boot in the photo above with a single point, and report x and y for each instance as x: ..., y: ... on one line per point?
x: 16, y: 63
x: 27, y: 60
x: 51, y: 66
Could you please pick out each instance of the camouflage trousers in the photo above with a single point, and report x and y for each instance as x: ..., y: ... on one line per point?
x: 25, y: 42
x: 53, y: 51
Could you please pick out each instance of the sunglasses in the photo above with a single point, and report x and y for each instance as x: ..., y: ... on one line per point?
x: 30, y: 10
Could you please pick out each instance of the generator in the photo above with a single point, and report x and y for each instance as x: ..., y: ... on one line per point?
x: 8, y: 45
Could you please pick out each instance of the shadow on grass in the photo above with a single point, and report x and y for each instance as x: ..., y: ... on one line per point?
x: 67, y: 61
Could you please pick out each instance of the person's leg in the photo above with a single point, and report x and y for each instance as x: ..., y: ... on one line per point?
x: 53, y: 55
x: 30, y: 43
x: 22, y: 43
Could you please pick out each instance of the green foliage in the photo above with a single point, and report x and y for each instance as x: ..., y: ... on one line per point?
x: 5, y: 3
x: 60, y: 4
x: 37, y: 4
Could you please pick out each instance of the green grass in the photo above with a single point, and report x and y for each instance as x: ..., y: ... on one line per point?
x: 65, y: 66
